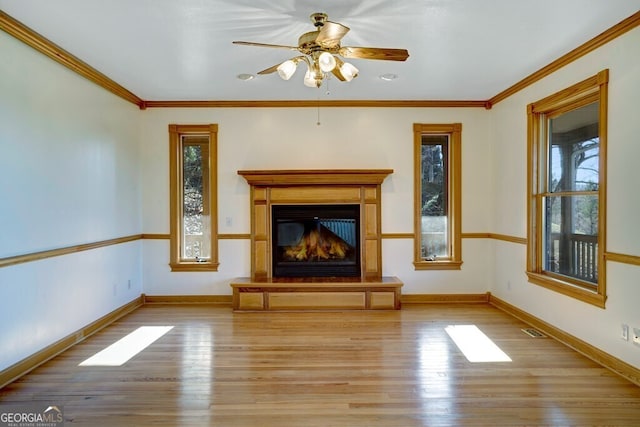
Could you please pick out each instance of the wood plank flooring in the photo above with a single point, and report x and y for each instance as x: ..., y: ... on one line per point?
x: 391, y: 368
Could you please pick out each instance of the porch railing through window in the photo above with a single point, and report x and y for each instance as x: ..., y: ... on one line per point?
x: 581, y: 260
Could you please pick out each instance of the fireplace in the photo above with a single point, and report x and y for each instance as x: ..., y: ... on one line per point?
x: 315, y: 240
x: 350, y: 193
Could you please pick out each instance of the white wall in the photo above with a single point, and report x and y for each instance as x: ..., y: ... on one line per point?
x: 68, y: 175
x: 599, y: 327
x: 275, y: 138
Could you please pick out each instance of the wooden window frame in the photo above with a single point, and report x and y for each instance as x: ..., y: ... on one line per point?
x: 454, y: 211
x: 176, y: 197
x: 593, y: 89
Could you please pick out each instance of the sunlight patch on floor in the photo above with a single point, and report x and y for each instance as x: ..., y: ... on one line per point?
x: 475, y: 345
x: 118, y: 353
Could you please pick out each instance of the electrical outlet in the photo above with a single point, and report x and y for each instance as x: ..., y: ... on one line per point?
x: 129, y: 284
x: 636, y: 336
x: 625, y: 332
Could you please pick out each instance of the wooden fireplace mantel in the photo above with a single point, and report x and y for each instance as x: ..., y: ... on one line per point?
x: 361, y: 187
x: 315, y: 176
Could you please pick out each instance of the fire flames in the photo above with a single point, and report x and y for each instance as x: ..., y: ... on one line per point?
x: 318, y: 244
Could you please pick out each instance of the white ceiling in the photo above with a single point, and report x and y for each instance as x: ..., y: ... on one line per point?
x: 182, y: 50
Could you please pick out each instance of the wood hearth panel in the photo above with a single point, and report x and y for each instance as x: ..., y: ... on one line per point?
x: 251, y: 300
x: 301, y: 300
x: 382, y: 300
x: 316, y: 294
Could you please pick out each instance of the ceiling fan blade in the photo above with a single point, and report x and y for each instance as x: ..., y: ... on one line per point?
x: 270, y: 69
x: 330, y: 34
x: 336, y: 72
x: 374, y: 53
x: 277, y: 46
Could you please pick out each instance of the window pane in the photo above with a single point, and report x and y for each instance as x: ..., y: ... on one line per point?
x: 195, y: 222
x: 574, y: 142
x: 571, y: 236
x: 434, y: 227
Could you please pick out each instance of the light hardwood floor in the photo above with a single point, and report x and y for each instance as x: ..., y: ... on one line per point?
x: 392, y: 368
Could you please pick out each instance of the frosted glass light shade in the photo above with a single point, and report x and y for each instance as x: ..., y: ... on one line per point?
x: 309, y: 79
x: 327, y: 62
x: 286, y: 69
x: 348, y: 71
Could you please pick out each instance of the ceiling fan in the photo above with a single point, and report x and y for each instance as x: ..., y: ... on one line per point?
x: 322, y: 53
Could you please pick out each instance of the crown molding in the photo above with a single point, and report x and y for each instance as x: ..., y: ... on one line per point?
x: 316, y: 103
x: 55, y: 52
x: 26, y: 35
x: 577, y: 53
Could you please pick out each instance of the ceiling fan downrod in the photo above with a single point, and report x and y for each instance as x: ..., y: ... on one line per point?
x: 318, y: 19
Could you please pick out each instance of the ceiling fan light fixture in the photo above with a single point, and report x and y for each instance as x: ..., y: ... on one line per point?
x: 323, y: 54
x: 349, y: 71
x: 287, y: 69
x: 310, y: 79
x: 314, y: 76
x: 327, y: 62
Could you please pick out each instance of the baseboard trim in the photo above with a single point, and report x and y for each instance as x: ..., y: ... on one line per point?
x: 28, y: 364
x: 187, y: 299
x: 604, y: 359
x: 445, y: 298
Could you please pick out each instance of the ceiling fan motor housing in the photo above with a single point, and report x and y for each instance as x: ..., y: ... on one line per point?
x: 318, y: 19
x: 307, y: 43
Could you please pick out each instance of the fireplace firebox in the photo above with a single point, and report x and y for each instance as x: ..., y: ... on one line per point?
x: 316, y: 240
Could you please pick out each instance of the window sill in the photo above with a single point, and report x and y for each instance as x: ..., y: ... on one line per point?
x: 194, y: 266
x: 565, y: 288
x: 437, y: 265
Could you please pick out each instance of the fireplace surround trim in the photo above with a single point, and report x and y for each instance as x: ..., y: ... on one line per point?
x: 316, y: 186
x: 263, y: 292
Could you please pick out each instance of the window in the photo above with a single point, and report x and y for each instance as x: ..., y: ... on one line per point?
x: 567, y: 157
x: 437, y: 214
x: 193, y: 210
